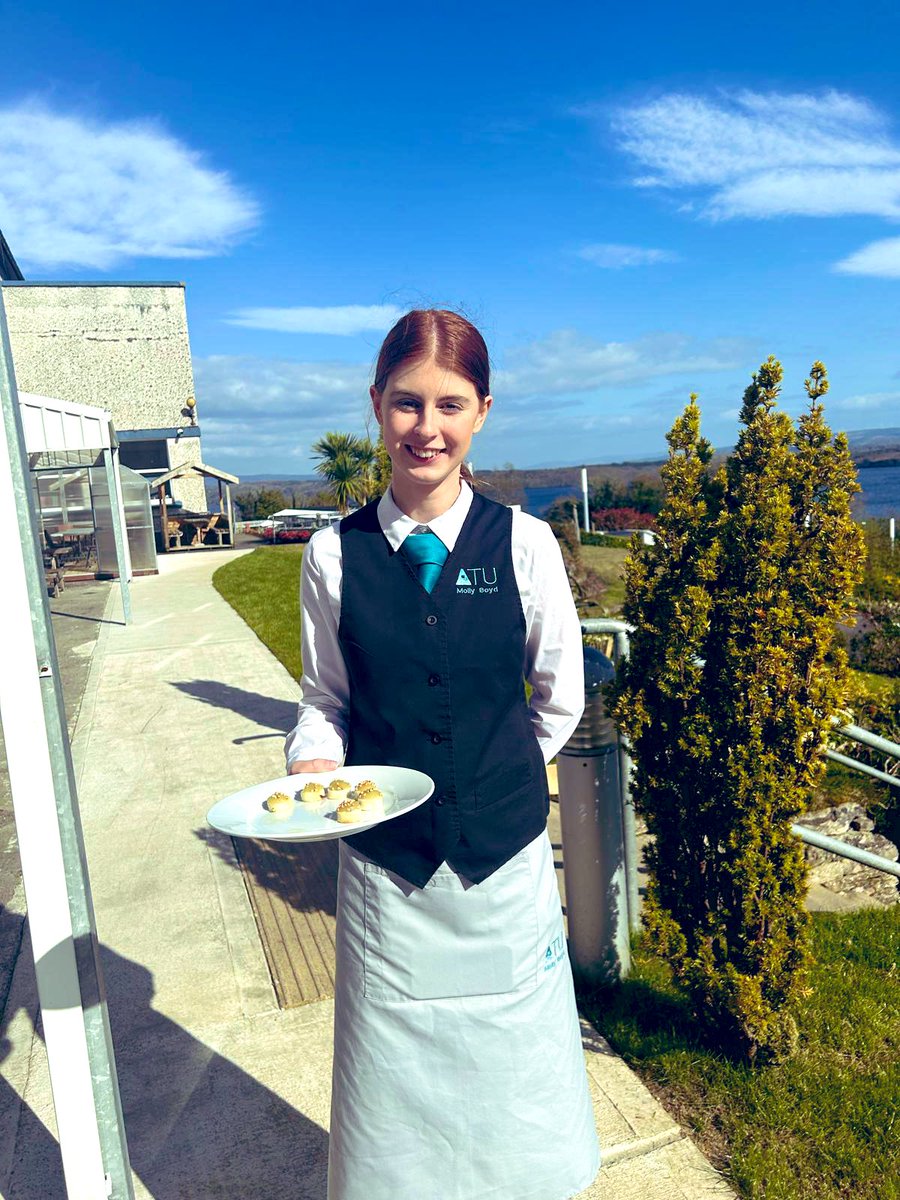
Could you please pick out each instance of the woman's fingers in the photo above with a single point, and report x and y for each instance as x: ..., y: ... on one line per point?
x: 312, y: 765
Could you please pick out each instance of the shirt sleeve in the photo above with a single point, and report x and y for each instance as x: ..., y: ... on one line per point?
x: 554, y: 659
x: 322, y: 714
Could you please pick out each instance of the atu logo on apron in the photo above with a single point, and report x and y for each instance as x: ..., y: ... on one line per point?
x: 482, y: 580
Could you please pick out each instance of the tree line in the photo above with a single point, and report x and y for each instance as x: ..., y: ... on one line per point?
x: 612, y: 506
x: 354, y: 469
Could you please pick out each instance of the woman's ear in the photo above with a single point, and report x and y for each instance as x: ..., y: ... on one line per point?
x: 376, y: 402
x: 483, y: 412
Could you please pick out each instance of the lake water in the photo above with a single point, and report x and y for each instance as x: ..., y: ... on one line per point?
x: 539, y: 499
x: 880, y: 491
x: 880, y: 495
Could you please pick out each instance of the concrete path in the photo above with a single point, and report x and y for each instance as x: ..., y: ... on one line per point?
x: 224, y: 1094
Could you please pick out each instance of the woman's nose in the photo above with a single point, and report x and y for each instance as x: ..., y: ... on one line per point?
x: 427, y: 425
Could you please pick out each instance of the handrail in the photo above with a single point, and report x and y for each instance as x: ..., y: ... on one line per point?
x: 845, y: 850
x: 605, y: 625
x: 864, y: 768
x: 620, y: 630
x: 867, y: 738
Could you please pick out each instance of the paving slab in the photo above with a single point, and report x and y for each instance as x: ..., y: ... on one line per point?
x: 225, y: 1093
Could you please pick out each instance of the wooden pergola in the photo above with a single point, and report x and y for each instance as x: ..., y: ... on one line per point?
x: 187, y: 471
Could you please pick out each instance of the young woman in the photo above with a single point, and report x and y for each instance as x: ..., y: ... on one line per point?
x: 458, y: 1068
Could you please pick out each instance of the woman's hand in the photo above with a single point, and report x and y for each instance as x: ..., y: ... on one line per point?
x: 312, y: 766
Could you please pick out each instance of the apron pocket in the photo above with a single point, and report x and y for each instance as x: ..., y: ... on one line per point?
x: 450, y: 938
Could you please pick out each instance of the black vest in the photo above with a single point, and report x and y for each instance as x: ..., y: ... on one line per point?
x: 436, y: 683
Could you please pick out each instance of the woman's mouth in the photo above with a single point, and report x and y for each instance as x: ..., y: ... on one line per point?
x: 422, y: 455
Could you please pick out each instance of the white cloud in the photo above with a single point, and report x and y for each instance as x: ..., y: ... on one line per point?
x: 239, y: 385
x: 614, y: 256
x: 567, y: 362
x: 262, y: 411
x: 344, y: 319
x: 766, y: 155
x: 867, y: 401
x: 252, y: 408
x: 78, y: 191
x: 881, y: 258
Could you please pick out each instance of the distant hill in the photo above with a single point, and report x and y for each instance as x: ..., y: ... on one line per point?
x: 875, y: 447
x: 869, y: 448
x: 874, y: 440
x: 278, y: 481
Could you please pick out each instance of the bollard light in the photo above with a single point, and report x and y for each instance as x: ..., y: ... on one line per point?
x: 593, y: 836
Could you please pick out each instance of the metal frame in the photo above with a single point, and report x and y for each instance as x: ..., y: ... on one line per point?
x: 51, y: 845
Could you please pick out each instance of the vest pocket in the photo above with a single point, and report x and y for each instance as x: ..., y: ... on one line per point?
x: 504, y: 784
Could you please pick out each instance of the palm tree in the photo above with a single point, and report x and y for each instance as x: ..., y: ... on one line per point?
x: 347, y: 463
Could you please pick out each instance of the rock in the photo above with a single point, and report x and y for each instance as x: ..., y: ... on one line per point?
x: 851, y: 823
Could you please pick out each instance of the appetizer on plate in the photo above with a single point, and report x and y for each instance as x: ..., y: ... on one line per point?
x: 338, y: 789
x: 312, y: 795
x: 350, y: 812
x: 280, y: 804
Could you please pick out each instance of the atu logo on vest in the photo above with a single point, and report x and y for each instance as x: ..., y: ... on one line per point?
x: 476, y: 579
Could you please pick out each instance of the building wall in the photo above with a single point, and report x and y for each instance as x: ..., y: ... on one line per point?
x: 191, y: 492
x: 121, y: 347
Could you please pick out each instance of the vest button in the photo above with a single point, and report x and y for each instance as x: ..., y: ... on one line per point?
x: 436, y: 739
x: 439, y: 800
x: 431, y: 619
x: 434, y: 680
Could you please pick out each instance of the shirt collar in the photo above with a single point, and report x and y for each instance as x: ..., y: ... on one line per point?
x: 397, y: 526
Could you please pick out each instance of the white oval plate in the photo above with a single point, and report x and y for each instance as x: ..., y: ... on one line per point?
x: 244, y: 814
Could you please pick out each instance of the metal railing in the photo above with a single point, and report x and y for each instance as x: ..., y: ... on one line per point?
x: 620, y: 631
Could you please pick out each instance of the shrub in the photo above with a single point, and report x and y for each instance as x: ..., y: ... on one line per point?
x: 622, y: 518
x: 605, y: 539
x: 734, y: 674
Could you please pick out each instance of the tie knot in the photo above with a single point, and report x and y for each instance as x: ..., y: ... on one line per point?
x: 427, y: 553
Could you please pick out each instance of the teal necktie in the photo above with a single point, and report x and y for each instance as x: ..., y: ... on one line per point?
x: 427, y: 553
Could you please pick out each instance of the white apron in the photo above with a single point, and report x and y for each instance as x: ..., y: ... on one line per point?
x: 458, y: 1067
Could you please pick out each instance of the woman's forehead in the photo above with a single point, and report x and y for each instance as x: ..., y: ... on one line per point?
x: 427, y: 375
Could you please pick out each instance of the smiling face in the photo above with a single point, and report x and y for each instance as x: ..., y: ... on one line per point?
x: 428, y: 416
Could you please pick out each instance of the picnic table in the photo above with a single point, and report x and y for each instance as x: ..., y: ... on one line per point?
x: 69, y: 541
x: 189, y: 530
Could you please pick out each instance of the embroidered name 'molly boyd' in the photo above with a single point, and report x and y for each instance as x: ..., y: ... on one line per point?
x: 460, y: 671
x: 480, y: 580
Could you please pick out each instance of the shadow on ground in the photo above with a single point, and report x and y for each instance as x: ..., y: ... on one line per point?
x: 267, y: 711
x: 197, y: 1124
x: 304, y: 875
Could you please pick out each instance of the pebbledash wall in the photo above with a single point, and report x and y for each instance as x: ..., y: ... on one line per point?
x: 117, y: 346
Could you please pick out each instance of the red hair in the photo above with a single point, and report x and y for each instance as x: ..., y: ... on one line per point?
x: 454, y: 342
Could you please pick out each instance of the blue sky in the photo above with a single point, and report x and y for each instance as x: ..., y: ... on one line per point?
x: 632, y: 203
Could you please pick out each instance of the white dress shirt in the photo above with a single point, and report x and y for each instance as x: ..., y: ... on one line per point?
x: 553, y: 655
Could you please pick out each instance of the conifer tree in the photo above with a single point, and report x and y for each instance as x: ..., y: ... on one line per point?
x: 734, y: 675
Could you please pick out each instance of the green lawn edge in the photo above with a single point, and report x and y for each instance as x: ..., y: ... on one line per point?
x: 263, y: 588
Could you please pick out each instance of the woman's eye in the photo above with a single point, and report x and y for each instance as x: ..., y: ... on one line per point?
x: 407, y: 405
x: 452, y: 408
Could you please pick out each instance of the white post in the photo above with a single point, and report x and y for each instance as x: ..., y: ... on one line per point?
x: 892, y: 529
x: 230, y: 507
x: 584, y: 492
x: 120, y: 532
x: 51, y: 850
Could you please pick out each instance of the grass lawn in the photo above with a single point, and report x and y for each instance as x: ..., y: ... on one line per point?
x: 822, y: 1126
x: 263, y: 587
x: 610, y: 566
